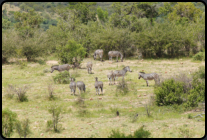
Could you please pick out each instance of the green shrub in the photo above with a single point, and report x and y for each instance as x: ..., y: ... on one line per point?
x: 8, y: 122
x: 41, y: 62
x: 62, y: 78
x: 169, y: 92
x: 55, y: 111
x: 77, y: 52
x: 181, y: 89
x: 22, y: 128
x: 197, y: 93
x: 22, y: 64
x: 199, y: 56
x: 140, y: 133
x: 190, y: 116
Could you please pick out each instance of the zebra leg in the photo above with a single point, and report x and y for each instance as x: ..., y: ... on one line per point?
x: 109, y: 81
x: 147, y: 83
x: 102, y: 90
x: 117, y: 58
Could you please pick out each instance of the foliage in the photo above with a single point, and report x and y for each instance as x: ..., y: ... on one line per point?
x: 50, y: 88
x: 177, y: 90
x: 149, y: 9
x: 8, y: 120
x: 9, y: 42
x: 102, y: 15
x: 5, y: 23
x: 27, y: 23
x: 20, y: 92
x: 41, y: 62
x: 184, y: 12
x: 165, y: 39
x: 170, y: 92
x: 199, y: 56
x: 72, y: 50
x: 62, y: 78
x: 22, y: 128
x: 197, y: 93
x: 140, y: 133
x: 55, y: 111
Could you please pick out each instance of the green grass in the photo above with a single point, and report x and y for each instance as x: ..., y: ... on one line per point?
x: 101, y: 109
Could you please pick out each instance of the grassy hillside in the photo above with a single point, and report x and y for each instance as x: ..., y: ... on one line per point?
x: 100, y: 112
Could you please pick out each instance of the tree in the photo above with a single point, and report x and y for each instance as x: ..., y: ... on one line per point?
x: 149, y: 9
x: 71, y: 53
x: 85, y: 11
x: 5, y: 23
x: 27, y: 23
x: 10, y: 42
x: 102, y: 15
x: 27, y: 26
x: 185, y: 12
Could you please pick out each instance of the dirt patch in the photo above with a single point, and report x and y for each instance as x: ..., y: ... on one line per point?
x: 51, y: 62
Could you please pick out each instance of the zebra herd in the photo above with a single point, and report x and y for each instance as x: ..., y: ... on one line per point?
x: 112, y: 75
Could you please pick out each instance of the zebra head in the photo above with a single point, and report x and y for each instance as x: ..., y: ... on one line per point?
x: 140, y: 74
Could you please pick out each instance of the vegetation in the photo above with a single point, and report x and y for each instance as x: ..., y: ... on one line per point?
x: 178, y: 90
x: 167, y: 37
x: 199, y: 56
x: 22, y: 128
x: 62, y: 78
x: 140, y: 133
x: 8, y: 120
x: 55, y: 111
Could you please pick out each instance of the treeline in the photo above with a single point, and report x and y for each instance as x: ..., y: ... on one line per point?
x: 155, y: 29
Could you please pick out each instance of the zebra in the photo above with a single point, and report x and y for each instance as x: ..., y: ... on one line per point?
x: 98, y: 84
x: 115, y: 54
x: 149, y: 76
x: 89, y: 66
x: 98, y: 52
x: 119, y: 73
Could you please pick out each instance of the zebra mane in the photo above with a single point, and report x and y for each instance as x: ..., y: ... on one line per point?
x: 54, y: 66
x: 142, y: 72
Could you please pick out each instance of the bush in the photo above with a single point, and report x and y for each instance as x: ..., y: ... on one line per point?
x: 8, y: 121
x: 77, y: 52
x: 197, y: 93
x: 9, y: 42
x: 20, y: 91
x: 182, y: 89
x: 50, y: 88
x: 169, y: 92
x: 199, y: 56
x: 62, y: 78
x: 55, y: 111
x: 122, y: 88
x: 140, y: 133
x: 22, y: 128
x: 22, y: 64
x: 41, y: 62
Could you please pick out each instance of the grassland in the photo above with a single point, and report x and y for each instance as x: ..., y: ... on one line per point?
x: 101, y: 109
